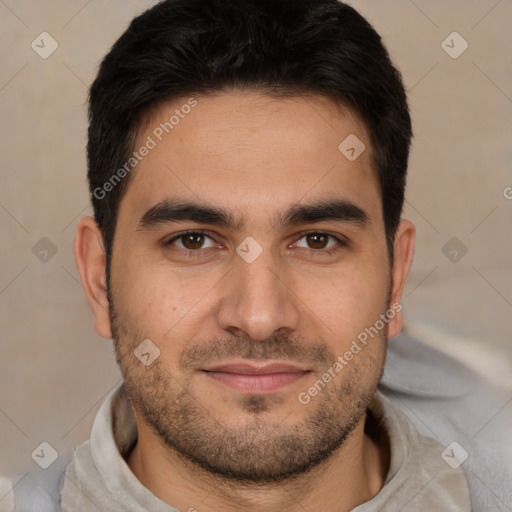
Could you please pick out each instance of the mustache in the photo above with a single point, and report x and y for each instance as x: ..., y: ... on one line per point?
x: 278, y: 346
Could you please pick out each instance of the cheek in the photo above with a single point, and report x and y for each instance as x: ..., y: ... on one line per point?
x: 160, y: 302
x: 350, y: 301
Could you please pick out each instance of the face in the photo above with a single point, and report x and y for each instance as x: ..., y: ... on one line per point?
x: 252, y: 254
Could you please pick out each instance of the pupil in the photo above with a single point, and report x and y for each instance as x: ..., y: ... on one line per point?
x: 193, y: 241
x: 317, y: 241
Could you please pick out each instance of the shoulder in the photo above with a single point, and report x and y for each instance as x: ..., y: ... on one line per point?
x: 469, y: 416
x: 40, y: 489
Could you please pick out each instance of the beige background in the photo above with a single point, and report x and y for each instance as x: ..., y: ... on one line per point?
x: 54, y: 369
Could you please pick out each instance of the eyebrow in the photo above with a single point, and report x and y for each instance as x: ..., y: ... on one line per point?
x: 338, y: 210
x: 170, y: 210
x: 175, y: 211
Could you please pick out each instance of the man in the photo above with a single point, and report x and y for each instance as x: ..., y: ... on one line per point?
x: 247, y: 165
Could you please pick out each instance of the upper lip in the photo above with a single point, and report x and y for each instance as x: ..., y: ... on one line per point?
x: 254, y: 368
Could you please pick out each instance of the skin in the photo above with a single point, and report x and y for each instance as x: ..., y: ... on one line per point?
x: 256, y: 157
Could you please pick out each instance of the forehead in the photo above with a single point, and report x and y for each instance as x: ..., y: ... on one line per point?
x: 251, y: 152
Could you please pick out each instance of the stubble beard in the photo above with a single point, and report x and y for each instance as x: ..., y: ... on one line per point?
x: 261, y: 450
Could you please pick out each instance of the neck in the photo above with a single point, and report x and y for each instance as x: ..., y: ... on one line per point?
x: 354, y: 474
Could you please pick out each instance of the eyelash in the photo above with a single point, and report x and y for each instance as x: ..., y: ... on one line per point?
x: 201, y: 252
x: 189, y: 252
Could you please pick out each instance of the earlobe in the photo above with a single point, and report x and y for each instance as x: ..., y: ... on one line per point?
x: 90, y: 260
x: 403, y: 255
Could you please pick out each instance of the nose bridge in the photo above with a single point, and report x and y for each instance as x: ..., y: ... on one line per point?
x: 259, y: 300
x: 261, y: 284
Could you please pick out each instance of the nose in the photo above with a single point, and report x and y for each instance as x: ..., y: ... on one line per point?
x: 258, y: 300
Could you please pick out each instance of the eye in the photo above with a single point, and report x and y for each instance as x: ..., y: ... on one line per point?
x: 319, y: 242
x: 192, y: 241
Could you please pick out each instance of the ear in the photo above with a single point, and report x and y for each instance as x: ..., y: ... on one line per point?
x: 403, y: 254
x: 90, y: 260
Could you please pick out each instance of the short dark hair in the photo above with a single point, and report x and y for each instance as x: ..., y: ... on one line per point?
x: 279, y: 47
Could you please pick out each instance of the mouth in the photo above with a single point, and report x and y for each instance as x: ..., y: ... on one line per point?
x: 261, y: 377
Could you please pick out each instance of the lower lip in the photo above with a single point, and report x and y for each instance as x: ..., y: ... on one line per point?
x: 260, y: 383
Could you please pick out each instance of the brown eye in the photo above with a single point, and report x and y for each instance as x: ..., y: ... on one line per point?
x: 317, y: 240
x: 321, y: 242
x: 192, y: 241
